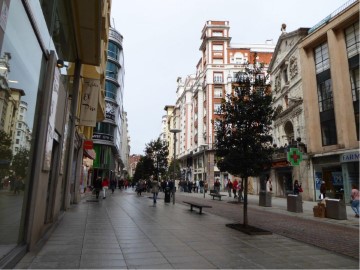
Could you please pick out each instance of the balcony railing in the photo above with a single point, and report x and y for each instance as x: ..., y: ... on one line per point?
x: 332, y: 15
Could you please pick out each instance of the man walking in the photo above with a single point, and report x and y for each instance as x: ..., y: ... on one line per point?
x: 155, y: 189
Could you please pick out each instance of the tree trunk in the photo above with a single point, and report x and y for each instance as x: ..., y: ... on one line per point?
x: 245, y: 201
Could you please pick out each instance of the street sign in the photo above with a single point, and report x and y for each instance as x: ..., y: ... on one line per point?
x: 294, y: 156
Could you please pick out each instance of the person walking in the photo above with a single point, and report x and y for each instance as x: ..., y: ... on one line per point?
x: 217, y: 186
x: 268, y: 185
x: 155, y: 189
x: 105, y: 186
x: 297, y: 187
x: 201, y: 184
x: 234, y: 187
x: 206, y: 186
x: 355, y: 199
x: 97, y: 186
x: 229, y: 186
x: 322, y: 190
x: 240, y: 191
x: 112, y: 185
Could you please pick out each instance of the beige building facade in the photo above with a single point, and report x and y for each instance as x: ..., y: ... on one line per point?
x: 329, y: 57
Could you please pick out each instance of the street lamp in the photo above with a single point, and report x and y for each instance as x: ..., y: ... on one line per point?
x: 174, y: 131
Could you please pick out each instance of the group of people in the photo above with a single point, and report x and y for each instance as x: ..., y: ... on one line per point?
x: 236, y: 188
x: 104, y: 184
x: 194, y: 186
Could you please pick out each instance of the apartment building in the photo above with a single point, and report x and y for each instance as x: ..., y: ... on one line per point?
x: 329, y: 57
x: 199, y: 97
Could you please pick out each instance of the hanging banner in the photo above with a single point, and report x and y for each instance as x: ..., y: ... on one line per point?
x: 89, y: 102
x: 51, y: 122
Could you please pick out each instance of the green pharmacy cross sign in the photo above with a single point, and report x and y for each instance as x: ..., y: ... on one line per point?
x: 294, y: 156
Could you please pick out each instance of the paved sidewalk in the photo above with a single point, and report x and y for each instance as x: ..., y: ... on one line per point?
x: 279, y: 205
x: 126, y: 231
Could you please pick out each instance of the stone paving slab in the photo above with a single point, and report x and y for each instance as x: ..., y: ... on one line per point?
x: 136, y: 235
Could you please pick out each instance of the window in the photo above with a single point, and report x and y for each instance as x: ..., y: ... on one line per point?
x: 322, y: 58
x: 112, y: 70
x: 325, y: 96
x: 19, y: 125
x: 352, y: 40
x: 218, y: 47
x: 217, y: 61
x: 110, y: 90
x: 113, y: 50
x: 16, y: 149
x: 328, y: 132
x: 217, y: 107
x: 285, y: 75
x: 218, y: 92
x: 217, y: 33
x: 355, y: 82
x: 17, y: 141
x: 218, y: 77
x: 353, y: 50
x: 18, y: 133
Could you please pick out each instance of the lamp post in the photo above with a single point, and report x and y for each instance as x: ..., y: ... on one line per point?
x: 174, y: 131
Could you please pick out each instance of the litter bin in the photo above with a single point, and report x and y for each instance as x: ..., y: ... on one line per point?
x: 167, y: 194
x: 265, y: 199
x: 335, y: 208
x: 294, y: 203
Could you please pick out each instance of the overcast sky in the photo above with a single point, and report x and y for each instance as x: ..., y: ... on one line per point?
x: 162, y: 40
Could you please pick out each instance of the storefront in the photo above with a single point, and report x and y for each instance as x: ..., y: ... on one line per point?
x: 350, y: 172
x: 338, y: 172
x: 283, y: 174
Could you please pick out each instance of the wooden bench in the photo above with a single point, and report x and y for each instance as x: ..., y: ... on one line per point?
x: 197, y: 205
x: 216, y: 194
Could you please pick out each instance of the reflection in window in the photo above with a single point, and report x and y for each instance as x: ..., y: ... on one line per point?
x: 322, y: 61
x: 110, y: 90
x: 20, y: 79
x: 112, y: 70
x: 113, y: 50
x: 325, y: 96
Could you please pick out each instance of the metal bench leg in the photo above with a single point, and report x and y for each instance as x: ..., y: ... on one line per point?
x: 191, y: 207
x: 200, y: 210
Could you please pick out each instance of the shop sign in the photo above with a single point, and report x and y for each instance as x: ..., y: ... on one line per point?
x: 349, y: 157
x: 89, y: 102
x: 103, y: 137
x: 279, y: 164
x: 294, y: 156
